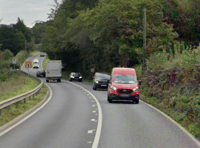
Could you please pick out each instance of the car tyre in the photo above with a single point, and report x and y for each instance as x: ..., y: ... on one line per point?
x: 47, y: 81
x: 109, y: 100
x: 94, y: 87
x: 137, y: 101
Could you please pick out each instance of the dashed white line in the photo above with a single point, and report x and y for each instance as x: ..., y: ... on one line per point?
x: 99, y: 124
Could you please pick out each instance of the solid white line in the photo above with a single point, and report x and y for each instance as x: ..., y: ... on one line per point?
x: 31, y: 114
x: 100, y: 120
x: 173, y: 121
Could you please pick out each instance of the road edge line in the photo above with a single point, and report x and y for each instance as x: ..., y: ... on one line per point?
x: 20, y: 119
x: 176, y: 123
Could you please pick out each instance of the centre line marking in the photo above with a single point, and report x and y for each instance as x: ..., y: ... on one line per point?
x: 99, y: 124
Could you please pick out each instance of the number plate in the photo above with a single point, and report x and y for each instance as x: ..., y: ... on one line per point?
x: 124, y: 95
x: 103, y: 85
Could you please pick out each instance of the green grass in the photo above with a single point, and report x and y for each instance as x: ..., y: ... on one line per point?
x: 34, y: 52
x: 17, y: 83
x: 14, y: 111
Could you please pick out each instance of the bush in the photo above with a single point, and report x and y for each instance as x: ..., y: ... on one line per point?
x: 7, y: 54
x: 21, y: 57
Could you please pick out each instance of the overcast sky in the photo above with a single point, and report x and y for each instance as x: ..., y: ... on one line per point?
x: 27, y: 10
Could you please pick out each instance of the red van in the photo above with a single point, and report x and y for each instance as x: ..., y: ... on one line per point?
x: 123, y: 85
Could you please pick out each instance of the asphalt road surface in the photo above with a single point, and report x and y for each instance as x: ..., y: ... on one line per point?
x: 79, y: 117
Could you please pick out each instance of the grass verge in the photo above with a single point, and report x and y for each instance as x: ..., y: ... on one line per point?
x: 16, y: 84
x: 14, y: 110
x: 180, y: 113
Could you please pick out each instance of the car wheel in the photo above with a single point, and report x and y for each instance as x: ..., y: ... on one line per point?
x: 80, y: 80
x: 94, y: 87
x: 70, y: 79
x: 137, y: 101
x: 109, y: 100
x: 58, y: 80
x: 47, y: 80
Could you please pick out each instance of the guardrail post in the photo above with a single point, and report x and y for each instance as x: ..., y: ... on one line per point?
x: 29, y: 97
x: 33, y: 96
x: 0, y: 112
x: 17, y: 105
x: 25, y: 100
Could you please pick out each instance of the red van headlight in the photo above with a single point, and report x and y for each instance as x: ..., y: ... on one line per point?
x: 136, y: 89
x: 113, y: 88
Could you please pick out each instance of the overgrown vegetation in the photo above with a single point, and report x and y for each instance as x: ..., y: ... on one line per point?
x: 172, y: 85
x: 16, y: 83
x: 14, y: 111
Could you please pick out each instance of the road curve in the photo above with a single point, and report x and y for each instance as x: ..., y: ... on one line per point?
x: 137, y: 126
x: 68, y: 120
x: 71, y: 117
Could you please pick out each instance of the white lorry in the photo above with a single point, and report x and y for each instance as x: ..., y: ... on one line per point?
x: 54, y: 70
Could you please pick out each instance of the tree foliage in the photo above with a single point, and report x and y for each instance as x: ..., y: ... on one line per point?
x: 11, y: 39
x: 22, y: 28
x: 107, y: 33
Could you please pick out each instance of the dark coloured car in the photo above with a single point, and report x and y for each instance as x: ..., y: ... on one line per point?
x: 100, y: 80
x: 75, y: 76
x: 40, y: 73
x: 42, y: 54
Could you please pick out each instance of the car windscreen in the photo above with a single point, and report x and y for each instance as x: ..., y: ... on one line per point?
x: 77, y: 74
x: 102, y: 76
x: 125, y: 79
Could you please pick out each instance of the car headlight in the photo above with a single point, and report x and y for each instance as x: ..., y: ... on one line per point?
x: 72, y: 76
x: 113, y: 88
x: 96, y: 82
x: 135, y: 89
x: 80, y: 77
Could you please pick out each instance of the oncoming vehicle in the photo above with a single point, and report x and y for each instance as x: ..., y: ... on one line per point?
x: 40, y: 73
x: 36, y: 66
x: 35, y: 61
x: 100, y: 80
x: 123, y: 85
x: 42, y: 54
x: 75, y: 76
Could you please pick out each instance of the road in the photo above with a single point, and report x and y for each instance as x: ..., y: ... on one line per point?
x: 72, y: 118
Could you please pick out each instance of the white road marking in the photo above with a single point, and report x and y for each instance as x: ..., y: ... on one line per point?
x: 99, y: 124
x: 93, y: 105
x: 31, y: 114
x: 91, y: 131
x: 93, y: 120
x: 94, y: 111
x: 89, y: 142
x: 182, y: 128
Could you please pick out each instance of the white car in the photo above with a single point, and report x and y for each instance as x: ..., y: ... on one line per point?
x: 36, y: 61
x: 36, y: 66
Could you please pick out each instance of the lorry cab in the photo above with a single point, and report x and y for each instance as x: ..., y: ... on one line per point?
x: 123, y: 85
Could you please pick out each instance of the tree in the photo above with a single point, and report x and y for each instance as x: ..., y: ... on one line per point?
x: 11, y: 39
x: 7, y: 54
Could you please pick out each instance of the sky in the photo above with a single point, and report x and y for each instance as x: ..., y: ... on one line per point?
x: 27, y: 10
